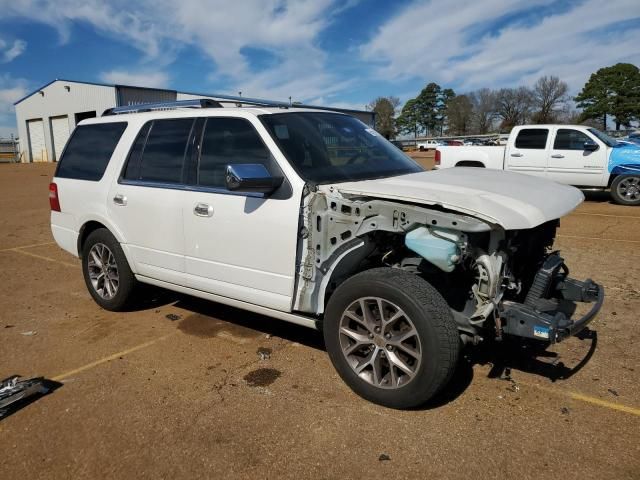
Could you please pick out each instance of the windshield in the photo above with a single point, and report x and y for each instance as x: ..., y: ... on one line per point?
x: 610, y: 142
x: 330, y: 147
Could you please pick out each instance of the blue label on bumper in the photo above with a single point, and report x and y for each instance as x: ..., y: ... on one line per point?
x: 541, y: 332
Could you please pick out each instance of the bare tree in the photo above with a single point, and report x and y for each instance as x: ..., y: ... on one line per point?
x: 459, y: 113
x: 549, y: 98
x: 385, y: 108
x: 513, y: 105
x: 484, y: 107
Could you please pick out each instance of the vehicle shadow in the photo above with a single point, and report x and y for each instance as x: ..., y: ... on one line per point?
x: 530, y: 357
x: 597, y: 196
x: 510, y: 354
x: 238, y: 320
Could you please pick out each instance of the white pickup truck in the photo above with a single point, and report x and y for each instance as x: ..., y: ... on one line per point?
x: 570, y: 154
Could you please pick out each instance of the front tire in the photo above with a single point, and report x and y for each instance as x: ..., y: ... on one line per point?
x: 391, y: 337
x: 625, y: 190
x: 106, y: 271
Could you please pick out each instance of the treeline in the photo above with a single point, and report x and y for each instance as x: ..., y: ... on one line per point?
x: 613, y: 91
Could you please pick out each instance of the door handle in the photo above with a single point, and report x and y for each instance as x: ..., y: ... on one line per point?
x: 557, y: 155
x: 120, y: 199
x: 203, y: 210
x: 516, y: 154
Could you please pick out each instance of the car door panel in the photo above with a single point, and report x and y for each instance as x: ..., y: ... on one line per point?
x: 240, y: 246
x: 146, y: 202
x: 151, y: 222
x: 244, y: 250
x: 571, y: 164
x: 528, y: 152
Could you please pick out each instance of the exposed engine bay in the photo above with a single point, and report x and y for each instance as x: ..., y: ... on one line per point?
x: 497, y: 282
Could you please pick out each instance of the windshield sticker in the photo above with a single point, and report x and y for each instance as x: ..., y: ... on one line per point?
x: 282, y: 132
x: 372, y: 132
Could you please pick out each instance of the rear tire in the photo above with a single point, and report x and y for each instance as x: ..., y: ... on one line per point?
x: 625, y: 190
x: 106, y: 271
x: 402, y: 359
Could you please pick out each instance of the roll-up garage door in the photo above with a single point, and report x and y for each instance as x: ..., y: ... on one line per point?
x: 59, y: 134
x: 36, y: 140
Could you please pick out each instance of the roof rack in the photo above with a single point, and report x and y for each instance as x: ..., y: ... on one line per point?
x: 148, y: 107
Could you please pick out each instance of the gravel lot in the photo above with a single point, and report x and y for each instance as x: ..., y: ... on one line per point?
x: 214, y: 392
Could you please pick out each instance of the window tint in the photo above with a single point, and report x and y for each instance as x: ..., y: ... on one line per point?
x: 229, y: 141
x: 532, y: 138
x: 87, y: 154
x: 163, y: 154
x: 132, y: 169
x: 567, y: 139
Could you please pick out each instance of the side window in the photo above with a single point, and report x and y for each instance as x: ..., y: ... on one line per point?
x: 132, y: 168
x: 567, y: 139
x: 532, y: 138
x: 89, y: 150
x: 163, y: 153
x: 228, y: 141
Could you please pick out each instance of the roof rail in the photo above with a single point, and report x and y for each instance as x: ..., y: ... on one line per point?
x: 148, y: 107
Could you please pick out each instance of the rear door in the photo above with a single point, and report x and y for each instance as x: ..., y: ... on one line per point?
x: 146, y: 202
x: 528, y: 152
x: 241, y: 246
x: 570, y: 163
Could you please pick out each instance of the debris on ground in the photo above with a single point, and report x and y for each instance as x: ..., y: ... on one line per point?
x: 13, y: 391
x: 267, y: 336
x: 613, y: 392
x: 384, y: 457
x: 172, y: 316
x: 30, y: 333
x: 565, y: 410
x: 9, y: 326
x: 264, y: 353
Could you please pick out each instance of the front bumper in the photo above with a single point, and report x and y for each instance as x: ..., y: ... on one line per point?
x: 547, y: 311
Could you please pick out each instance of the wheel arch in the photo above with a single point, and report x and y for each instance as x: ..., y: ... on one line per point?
x: 92, y: 224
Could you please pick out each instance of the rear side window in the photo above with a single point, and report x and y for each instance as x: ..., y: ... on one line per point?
x: 567, y: 139
x: 229, y: 141
x: 89, y: 150
x: 161, y: 158
x: 532, y: 138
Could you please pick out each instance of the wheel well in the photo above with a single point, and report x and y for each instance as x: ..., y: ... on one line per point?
x: 611, y: 179
x: 85, y: 230
x: 470, y: 163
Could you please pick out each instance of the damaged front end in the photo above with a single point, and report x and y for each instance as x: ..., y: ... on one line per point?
x: 497, y: 282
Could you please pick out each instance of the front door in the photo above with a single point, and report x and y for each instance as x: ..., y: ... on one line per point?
x: 240, y: 246
x: 570, y: 163
x: 528, y: 153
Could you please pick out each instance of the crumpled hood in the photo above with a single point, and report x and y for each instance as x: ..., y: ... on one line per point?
x: 511, y: 200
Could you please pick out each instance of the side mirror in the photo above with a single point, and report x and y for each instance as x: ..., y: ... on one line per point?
x: 251, y: 178
x: 590, y: 146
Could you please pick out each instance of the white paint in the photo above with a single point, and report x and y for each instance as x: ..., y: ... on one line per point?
x: 508, y: 199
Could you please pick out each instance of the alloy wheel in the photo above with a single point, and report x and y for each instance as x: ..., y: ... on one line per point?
x: 380, y: 342
x: 103, y: 271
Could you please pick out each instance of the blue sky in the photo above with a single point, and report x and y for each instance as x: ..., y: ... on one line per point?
x: 340, y: 53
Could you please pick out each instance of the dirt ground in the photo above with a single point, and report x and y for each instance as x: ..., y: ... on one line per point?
x: 214, y: 392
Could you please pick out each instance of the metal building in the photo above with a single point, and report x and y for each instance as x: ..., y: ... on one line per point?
x: 47, y: 116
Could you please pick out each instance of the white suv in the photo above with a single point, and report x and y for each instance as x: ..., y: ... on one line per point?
x: 312, y: 217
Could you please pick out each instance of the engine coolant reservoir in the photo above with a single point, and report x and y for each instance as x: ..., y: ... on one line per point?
x: 436, y: 245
